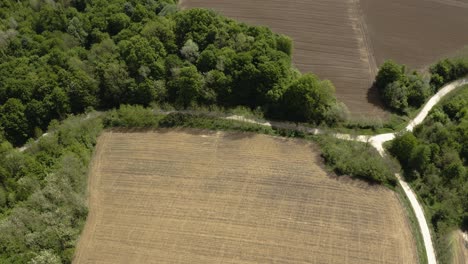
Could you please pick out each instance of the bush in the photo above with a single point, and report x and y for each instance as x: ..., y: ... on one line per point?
x: 51, y: 183
x: 398, y: 89
x: 130, y: 116
x: 358, y: 160
x: 448, y: 70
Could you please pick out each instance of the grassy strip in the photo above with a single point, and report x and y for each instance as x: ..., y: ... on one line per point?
x: 414, y: 225
x: 358, y: 160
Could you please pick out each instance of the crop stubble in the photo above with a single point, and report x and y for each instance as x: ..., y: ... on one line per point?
x: 212, y: 197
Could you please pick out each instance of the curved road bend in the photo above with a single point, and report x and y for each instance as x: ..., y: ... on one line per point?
x: 377, y: 142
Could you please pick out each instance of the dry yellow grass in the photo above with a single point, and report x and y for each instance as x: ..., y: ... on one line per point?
x: 461, y: 250
x: 214, y: 197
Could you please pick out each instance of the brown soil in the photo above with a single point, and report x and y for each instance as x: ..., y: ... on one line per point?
x: 416, y: 32
x: 329, y: 40
x: 213, y: 197
x: 338, y: 39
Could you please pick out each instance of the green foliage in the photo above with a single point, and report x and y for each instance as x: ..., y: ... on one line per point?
x: 388, y: 73
x: 45, y: 187
x: 130, y: 116
x: 186, y: 86
x: 14, y: 121
x: 448, y: 70
x: 62, y: 57
x: 357, y: 160
x: 435, y: 158
x: 307, y: 100
x: 400, y: 90
x: 403, y: 146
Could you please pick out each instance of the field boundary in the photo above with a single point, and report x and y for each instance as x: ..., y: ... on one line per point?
x: 376, y: 141
x: 361, y: 27
x: 93, y: 198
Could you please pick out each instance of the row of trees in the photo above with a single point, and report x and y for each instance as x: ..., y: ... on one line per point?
x: 42, y: 193
x: 401, y: 90
x: 435, y: 161
x: 61, y: 57
x: 448, y: 70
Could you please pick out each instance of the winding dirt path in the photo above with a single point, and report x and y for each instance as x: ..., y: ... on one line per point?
x: 377, y: 142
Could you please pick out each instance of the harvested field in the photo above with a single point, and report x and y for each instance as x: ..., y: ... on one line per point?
x: 210, y: 197
x: 416, y: 32
x: 329, y: 41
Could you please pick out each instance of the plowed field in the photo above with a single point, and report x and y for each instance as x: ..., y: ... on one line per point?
x: 212, y: 197
x: 328, y: 41
x: 345, y: 40
x: 416, y: 32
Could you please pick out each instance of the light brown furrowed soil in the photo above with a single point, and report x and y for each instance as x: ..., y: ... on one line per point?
x: 329, y: 40
x: 212, y: 197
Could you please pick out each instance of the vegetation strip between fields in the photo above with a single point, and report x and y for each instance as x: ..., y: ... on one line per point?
x: 377, y: 142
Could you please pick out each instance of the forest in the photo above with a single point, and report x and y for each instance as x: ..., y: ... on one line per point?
x: 434, y: 158
x: 60, y: 58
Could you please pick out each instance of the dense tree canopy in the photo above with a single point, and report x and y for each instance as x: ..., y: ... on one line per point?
x: 62, y: 57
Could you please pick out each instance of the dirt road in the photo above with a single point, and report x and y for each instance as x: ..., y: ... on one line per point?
x: 378, y: 140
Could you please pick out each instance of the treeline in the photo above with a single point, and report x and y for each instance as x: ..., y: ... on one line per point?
x: 435, y: 161
x: 62, y: 57
x: 42, y: 193
x: 402, y: 90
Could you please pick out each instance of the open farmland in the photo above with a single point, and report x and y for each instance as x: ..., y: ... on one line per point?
x: 329, y: 41
x: 210, y: 197
x: 416, y: 32
x: 344, y: 40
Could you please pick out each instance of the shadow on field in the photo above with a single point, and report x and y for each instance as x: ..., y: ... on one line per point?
x: 374, y: 98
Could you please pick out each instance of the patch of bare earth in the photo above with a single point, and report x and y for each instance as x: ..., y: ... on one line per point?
x: 329, y: 40
x: 416, y: 32
x: 211, y: 197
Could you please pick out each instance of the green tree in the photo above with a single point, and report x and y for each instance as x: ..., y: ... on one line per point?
x: 185, y: 87
x: 308, y: 99
x: 138, y: 51
x: 402, y: 147
x: 14, y: 122
x: 388, y: 73
x: 118, y: 22
x: 190, y: 51
x: 418, y: 90
x: 395, y: 95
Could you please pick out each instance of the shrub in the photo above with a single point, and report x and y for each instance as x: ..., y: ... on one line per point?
x: 358, y: 160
